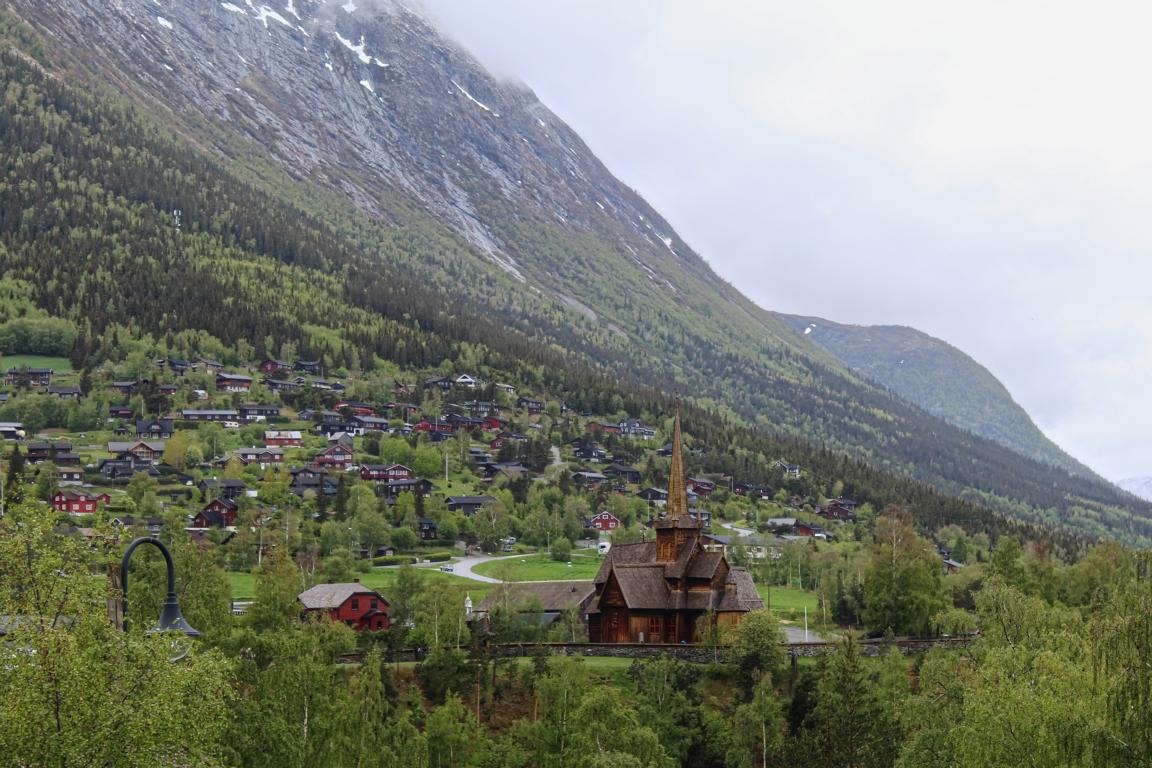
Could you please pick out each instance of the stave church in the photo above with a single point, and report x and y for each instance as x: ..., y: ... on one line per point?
x: 657, y: 591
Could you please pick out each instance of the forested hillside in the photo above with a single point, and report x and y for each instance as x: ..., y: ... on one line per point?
x: 258, y: 257
x: 940, y: 379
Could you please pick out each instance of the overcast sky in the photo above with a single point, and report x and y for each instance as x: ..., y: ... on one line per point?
x: 980, y: 171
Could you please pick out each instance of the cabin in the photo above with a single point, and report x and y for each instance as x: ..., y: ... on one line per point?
x: 317, y: 481
x: 41, y: 450
x: 28, y: 377
x: 658, y: 591
x: 469, y: 505
x: 336, y: 456
x: 78, y: 503
x: 789, y: 470
x: 465, y: 381
x: 69, y: 476
x: 11, y: 430
x: 233, y: 382
x: 259, y: 412
x: 390, y: 489
x: 386, y: 472
x: 209, y: 365
x: 624, y: 472
x: 282, y: 439
x: 144, y: 450
x: 312, y: 367
x: 605, y: 522
x: 154, y: 429
x: 352, y: 603
x: 271, y: 365
x: 210, y: 415
x: 120, y: 412
x: 126, y: 467
x: 225, y: 488
x: 218, y: 513
x: 66, y: 393
x: 444, y: 383
x: 264, y: 456
x: 428, y: 528
x: 530, y: 404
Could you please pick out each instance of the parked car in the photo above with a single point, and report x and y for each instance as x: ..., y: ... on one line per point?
x: 447, y: 568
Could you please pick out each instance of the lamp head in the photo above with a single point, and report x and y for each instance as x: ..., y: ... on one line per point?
x: 171, y: 620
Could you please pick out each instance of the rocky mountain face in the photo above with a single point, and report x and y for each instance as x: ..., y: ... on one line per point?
x: 940, y: 379
x: 412, y: 161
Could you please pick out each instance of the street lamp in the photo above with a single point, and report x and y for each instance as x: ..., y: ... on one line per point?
x: 170, y: 618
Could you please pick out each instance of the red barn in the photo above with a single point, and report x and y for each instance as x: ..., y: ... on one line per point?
x: 605, y: 521
x: 76, y: 503
x: 354, y: 604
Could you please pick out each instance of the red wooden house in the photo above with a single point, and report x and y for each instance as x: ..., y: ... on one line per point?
x: 336, y: 456
x: 354, y: 604
x: 76, y: 503
x: 282, y: 439
x: 608, y: 429
x: 275, y: 366
x: 218, y: 513
x: 605, y: 521
x: 232, y: 382
x: 424, y: 425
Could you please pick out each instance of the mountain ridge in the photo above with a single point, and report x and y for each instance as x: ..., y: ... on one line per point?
x: 655, y: 312
x: 941, y: 379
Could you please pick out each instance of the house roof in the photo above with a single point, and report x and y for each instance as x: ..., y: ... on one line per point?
x: 470, y: 499
x: 326, y: 596
x: 124, y: 447
x: 551, y: 595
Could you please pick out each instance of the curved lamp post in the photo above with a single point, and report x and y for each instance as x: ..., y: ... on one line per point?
x: 170, y: 618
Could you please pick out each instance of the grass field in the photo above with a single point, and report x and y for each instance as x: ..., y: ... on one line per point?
x: 57, y: 364
x: 787, y: 599
x: 542, y: 568
x: 381, y: 579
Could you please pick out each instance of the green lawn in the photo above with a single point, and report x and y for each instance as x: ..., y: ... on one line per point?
x: 381, y: 579
x: 57, y: 364
x: 787, y: 599
x: 542, y: 567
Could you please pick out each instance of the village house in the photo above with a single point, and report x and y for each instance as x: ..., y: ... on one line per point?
x: 390, y: 489
x: 31, y: 377
x: 282, y: 439
x: 224, y: 488
x: 624, y: 472
x: 469, y: 505
x: 144, y: 450
x: 41, y: 450
x: 264, y: 456
x: 11, y: 430
x: 233, y: 382
x: 428, y: 528
x: 531, y: 404
x: 465, y: 381
x: 218, y: 513
x: 311, y: 367
x: 78, y: 503
x: 335, y: 456
x: 69, y: 476
x: 66, y: 393
x: 208, y: 365
x: 270, y: 365
x: 259, y: 412
x: 789, y: 470
x: 444, y: 383
x: 605, y: 522
x: 354, y: 604
x: 657, y: 591
x: 210, y: 415
x: 154, y: 429
x: 386, y: 472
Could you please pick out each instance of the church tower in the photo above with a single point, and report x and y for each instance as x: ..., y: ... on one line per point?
x: 678, y: 529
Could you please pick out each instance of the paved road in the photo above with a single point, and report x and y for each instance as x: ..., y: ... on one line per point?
x: 738, y: 531
x: 463, y: 567
x: 796, y: 635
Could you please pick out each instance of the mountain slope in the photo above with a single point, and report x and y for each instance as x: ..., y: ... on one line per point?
x: 940, y: 379
x: 1138, y: 486
x: 430, y: 205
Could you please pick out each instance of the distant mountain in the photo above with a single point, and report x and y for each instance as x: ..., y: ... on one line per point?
x: 352, y: 182
x: 1138, y: 486
x: 940, y: 379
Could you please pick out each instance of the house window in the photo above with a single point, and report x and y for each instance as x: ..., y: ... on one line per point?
x: 373, y: 604
x: 355, y: 604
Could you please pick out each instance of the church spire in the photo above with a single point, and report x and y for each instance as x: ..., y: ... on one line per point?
x: 677, y: 490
